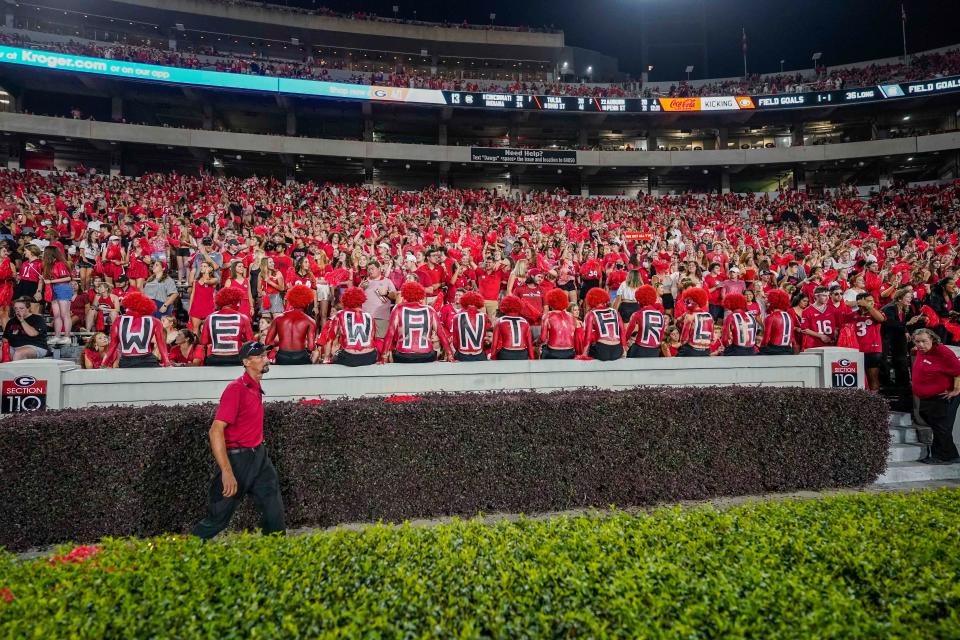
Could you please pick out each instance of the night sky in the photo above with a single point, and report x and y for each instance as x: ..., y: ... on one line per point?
x: 844, y: 30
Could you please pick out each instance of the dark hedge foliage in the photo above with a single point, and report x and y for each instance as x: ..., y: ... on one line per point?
x: 82, y: 474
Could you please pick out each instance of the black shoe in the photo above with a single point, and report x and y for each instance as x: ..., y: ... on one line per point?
x: 932, y: 460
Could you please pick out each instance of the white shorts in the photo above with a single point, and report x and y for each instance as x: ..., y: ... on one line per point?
x: 323, y: 291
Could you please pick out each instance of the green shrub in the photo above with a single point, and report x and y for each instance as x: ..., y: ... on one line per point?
x: 864, y: 566
x: 83, y: 474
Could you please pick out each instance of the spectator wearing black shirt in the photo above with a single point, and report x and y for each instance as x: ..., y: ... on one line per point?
x: 26, y: 332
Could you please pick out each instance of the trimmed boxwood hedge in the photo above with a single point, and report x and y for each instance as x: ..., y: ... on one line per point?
x: 864, y: 566
x: 83, y: 474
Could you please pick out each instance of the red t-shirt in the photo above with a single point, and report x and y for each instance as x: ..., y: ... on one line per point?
x: 241, y: 407
x: 934, y: 371
x: 489, y: 283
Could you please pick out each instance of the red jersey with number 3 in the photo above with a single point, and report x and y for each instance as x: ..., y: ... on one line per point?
x: 867, y: 331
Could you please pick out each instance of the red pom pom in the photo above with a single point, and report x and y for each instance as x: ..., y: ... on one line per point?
x: 228, y: 297
x: 597, y: 298
x: 353, y: 298
x: 557, y: 299
x: 645, y: 295
x: 735, y: 302
x: 471, y: 299
x: 401, y: 398
x: 413, y: 292
x: 511, y: 305
x: 138, y: 304
x: 778, y: 300
x: 697, y: 296
x: 300, y: 297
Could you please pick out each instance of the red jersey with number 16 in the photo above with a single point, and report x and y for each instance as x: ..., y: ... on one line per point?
x: 821, y: 321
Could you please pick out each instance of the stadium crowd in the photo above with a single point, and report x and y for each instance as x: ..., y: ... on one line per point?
x: 181, y: 270
x: 930, y: 65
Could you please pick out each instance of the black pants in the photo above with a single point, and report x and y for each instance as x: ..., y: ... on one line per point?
x: 293, y: 357
x: 636, y: 351
x: 774, y: 350
x: 734, y: 350
x: 686, y: 351
x: 220, y: 360
x: 414, y: 358
x: 139, y: 362
x: 470, y: 357
x: 940, y: 415
x: 627, y: 309
x: 512, y: 354
x: 256, y: 475
x: 716, y: 311
x: 348, y: 359
x: 605, y: 352
x: 549, y: 353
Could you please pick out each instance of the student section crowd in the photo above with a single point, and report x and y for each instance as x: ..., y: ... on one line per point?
x: 340, y: 273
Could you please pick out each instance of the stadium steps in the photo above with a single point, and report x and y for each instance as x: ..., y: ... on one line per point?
x: 905, y: 452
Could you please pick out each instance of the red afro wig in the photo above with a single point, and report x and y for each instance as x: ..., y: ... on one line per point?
x: 138, y: 304
x: 300, y: 297
x: 699, y: 297
x: 735, y: 302
x: 413, y: 292
x: 557, y: 299
x: 645, y: 295
x: 471, y: 299
x: 511, y: 306
x: 597, y: 298
x: 353, y: 298
x: 228, y: 297
x: 778, y: 300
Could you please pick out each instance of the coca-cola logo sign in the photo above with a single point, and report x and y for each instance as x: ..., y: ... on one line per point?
x: 680, y: 104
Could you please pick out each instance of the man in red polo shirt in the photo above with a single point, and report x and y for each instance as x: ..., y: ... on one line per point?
x: 236, y: 439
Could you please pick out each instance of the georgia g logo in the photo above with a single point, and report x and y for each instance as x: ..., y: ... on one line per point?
x: 24, y: 381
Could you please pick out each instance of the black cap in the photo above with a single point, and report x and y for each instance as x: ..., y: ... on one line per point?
x: 208, y: 242
x: 257, y: 348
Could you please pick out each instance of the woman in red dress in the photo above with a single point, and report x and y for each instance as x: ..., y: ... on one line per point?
x: 137, y: 270
x: 238, y: 280
x: 6, y: 283
x: 114, y: 259
x: 201, y: 296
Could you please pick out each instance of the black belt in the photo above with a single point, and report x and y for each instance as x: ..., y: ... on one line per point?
x: 242, y: 449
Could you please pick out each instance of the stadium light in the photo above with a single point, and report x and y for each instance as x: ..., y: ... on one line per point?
x: 649, y: 68
x: 816, y: 58
x: 781, y: 65
x: 906, y: 117
x: 689, y: 71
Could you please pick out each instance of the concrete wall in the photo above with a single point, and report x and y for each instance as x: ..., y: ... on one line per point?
x: 241, y: 142
x: 72, y: 387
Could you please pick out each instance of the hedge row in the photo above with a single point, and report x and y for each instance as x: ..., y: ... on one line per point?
x: 82, y: 474
x: 866, y: 566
